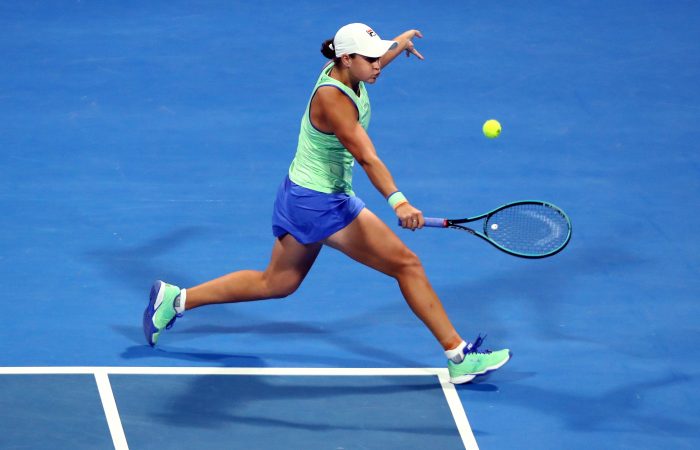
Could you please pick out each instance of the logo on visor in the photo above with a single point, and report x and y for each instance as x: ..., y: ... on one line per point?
x: 371, y: 32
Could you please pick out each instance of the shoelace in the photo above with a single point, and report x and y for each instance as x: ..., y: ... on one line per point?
x: 472, y: 348
x: 172, y: 321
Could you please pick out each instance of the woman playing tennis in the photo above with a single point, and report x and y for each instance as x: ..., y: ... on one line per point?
x: 316, y: 206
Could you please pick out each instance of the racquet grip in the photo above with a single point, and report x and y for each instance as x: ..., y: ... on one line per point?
x: 434, y: 222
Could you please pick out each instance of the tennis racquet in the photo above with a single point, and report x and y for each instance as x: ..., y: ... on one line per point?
x: 529, y: 229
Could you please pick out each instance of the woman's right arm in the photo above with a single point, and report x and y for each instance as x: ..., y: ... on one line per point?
x: 340, y: 116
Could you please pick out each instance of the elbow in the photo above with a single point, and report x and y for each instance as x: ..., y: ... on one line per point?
x: 367, y: 161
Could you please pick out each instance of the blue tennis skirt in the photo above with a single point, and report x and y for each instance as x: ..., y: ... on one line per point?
x: 311, y: 216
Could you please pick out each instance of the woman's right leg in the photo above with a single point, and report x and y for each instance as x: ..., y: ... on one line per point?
x: 370, y: 241
x: 289, y: 264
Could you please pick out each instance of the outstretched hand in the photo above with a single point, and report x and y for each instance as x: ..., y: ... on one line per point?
x: 410, y: 48
x: 405, y: 44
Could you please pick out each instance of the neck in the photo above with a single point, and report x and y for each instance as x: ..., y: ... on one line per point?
x: 343, y: 75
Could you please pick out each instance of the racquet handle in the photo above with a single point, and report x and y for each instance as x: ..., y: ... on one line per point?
x: 434, y: 222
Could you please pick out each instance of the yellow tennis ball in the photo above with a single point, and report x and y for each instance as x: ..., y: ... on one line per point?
x: 492, y: 128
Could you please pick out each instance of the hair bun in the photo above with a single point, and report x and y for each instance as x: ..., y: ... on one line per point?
x: 327, y: 49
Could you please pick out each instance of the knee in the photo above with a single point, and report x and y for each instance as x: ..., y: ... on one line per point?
x: 284, y: 291
x: 408, y: 264
x: 281, y: 288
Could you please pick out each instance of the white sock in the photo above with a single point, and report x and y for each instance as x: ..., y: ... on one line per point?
x: 179, y: 304
x: 456, y: 355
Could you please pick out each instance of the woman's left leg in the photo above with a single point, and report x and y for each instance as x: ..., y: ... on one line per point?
x: 370, y: 241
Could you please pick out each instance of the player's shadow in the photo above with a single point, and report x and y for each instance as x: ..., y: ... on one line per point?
x: 484, y: 383
x: 350, y: 352
x: 278, y: 404
x: 145, y: 352
x: 135, y: 267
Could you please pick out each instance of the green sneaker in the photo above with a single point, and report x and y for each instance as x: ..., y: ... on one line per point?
x: 160, y: 313
x: 476, y: 363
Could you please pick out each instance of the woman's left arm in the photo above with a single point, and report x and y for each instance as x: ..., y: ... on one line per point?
x: 405, y: 44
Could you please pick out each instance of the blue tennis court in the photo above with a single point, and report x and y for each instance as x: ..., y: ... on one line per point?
x: 145, y: 141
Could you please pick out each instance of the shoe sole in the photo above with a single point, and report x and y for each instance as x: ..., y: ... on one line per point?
x: 156, y: 297
x: 467, y: 378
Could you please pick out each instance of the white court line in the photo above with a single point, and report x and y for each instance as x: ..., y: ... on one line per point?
x: 465, y: 430
x: 285, y: 371
x: 115, y: 426
x: 111, y: 412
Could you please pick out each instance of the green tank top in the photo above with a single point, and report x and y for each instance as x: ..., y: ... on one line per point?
x: 321, y: 162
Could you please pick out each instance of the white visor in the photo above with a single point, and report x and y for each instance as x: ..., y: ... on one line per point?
x: 361, y: 39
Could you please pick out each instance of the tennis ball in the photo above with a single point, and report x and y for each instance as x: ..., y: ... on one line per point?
x: 492, y: 128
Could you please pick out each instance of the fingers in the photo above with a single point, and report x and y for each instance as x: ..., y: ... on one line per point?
x: 413, y: 221
x: 415, y: 52
x: 412, y: 49
x: 417, y: 223
x: 410, y: 217
x: 410, y: 224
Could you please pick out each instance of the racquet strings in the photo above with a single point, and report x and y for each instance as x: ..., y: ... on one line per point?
x: 529, y: 229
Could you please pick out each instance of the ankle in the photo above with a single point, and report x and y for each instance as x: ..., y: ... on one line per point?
x: 456, y: 354
x: 180, y: 302
x: 451, y: 342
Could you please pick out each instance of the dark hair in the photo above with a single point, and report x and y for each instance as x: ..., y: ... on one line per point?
x: 326, y: 49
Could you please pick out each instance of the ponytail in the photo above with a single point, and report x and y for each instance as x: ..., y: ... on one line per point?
x: 327, y: 50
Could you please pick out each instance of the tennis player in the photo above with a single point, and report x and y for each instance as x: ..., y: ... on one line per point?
x: 316, y: 206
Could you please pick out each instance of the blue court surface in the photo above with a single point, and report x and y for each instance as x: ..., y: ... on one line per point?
x: 146, y: 140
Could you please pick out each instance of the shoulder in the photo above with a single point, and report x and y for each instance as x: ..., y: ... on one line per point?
x: 331, y: 92
x: 333, y: 97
